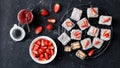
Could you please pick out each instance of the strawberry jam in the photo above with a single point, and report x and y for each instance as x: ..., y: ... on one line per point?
x: 25, y: 16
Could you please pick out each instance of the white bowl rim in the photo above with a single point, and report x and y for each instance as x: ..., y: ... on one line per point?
x: 35, y: 59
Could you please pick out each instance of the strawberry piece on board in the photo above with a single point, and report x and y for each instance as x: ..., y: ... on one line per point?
x: 56, y: 8
x: 49, y: 27
x: 106, y: 19
x: 38, y: 30
x: 91, y: 52
x: 93, y: 11
x: 44, y: 12
x: 51, y: 20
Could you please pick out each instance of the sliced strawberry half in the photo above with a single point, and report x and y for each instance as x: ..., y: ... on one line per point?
x: 106, y: 19
x: 51, y: 47
x: 45, y: 47
x: 51, y: 20
x: 56, y: 8
x: 46, y: 42
x: 36, y: 47
x: 69, y: 24
x: 94, y: 12
x: 46, y: 56
x: 35, y: 54
x: 97, y: 42
x: 51, y: 52
x: 42, y: 43
x: 48, y: 51
x: 91, y: 52
x: 106, y: 34
x: 41, y: 56
x: 85, y: 23
x: 95, y: 31
x: 38, y: 30
x: 77, y: 34
x: 44, y: 12
x: 41, y: 51
x: 86, y: 43
x: 42, y: 59
x: 38, y: 42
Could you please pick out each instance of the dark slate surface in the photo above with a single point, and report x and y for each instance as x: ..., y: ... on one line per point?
x: 16, y: 54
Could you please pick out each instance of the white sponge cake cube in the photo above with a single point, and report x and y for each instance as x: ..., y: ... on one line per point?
x: 64, y: 38
x: 97, y: 43
x: 93, y: 31
x: 92, y: 12
x: 105, y: 20
x: 76, y: 34
x: 68, y: 24
x: 105, y: 34
x: 76, y: 14
x: 86, y: 43
x: 83, y: 24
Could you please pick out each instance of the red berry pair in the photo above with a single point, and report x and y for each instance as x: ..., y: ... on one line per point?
x: 39, y: 29
x: 56, y: 9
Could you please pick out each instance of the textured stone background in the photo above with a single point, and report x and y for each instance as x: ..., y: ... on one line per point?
x: 16, y: 54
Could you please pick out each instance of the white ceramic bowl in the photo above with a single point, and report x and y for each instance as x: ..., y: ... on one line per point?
x: 19, y: 28
x: 36, y: 59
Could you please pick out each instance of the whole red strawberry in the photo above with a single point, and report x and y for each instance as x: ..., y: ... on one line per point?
x: 38, y: 30
x: 56, y: 8
x: 44, y: 12
x: 49, y: 27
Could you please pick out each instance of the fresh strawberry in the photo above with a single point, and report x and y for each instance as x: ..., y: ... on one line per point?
x: 47, y: 51
x: 35, y: 55
x: 46, y: 55
x: 106, y: 34
x: 49, y: 27
x: 51, y: 52
x: 106, y: 19
x: 51, y: 47
x: 50, y: 43
x: 69, y: 24
x: 42, y: 43
x: 34, y: 52
x: 97, y: 42
x: 45, y: 47
x: 86, y: 43
x: 41, y: 51
x: 44, y: 12
x: 46, y: 42
x: 38, y: 42
x: 93, y: 11
x: 41, y: 56
x: 36, y: 47
x: 90, y: 53
x: 85, y: 23
x: 56, y: 8
x: 51, y: 20
x: 77, y: 34
x: 95, y: 31
x: 38, y: 30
